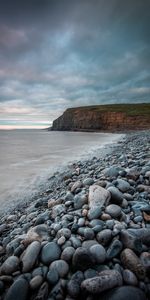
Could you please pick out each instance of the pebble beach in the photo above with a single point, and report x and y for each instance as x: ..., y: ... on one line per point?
x: 87, y: 236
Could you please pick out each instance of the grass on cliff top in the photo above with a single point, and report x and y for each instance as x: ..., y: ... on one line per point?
x: 129, y: 109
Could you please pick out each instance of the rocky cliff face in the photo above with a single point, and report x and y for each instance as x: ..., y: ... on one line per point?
x: 95, y: 118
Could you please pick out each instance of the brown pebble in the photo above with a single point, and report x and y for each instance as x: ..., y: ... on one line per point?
x: 131, y: 261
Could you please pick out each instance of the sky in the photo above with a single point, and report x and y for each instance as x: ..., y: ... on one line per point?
x: 56, y: 54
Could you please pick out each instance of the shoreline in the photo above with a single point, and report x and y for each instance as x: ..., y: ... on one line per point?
x: 40, y: 182
x: 87, y: 234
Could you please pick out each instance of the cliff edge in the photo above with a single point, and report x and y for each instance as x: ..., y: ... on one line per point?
x: 116, y: 117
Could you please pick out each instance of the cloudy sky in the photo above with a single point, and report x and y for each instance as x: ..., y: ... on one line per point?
x: 56, y: 54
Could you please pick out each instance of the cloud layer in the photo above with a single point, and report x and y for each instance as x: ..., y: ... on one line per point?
x: 58, y: 54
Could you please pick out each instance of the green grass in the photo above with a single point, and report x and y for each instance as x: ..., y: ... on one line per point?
x: 129, y: 109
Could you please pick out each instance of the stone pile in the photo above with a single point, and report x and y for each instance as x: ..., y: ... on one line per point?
x: 87, y: 236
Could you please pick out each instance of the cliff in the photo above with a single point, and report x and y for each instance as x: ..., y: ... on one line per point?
x: 117, y: 117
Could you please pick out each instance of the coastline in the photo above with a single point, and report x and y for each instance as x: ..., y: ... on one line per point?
x: 67, y: 215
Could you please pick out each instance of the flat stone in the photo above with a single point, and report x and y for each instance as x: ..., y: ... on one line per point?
x: 30, y: 256
x: 50, y: 252
x: 113, y: 210
x: 18, y: 291
x: 98, y: 196
x: 105, y: 281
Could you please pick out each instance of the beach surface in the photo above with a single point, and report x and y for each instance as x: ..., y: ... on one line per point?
x: 87, y: 235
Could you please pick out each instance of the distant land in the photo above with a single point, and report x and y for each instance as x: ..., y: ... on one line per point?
x: 115, y: 117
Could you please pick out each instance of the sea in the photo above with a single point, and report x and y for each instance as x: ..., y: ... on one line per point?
x: 29, y: 157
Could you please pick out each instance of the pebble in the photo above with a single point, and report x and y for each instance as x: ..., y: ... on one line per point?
x: 18, y: 291
x: 114, y: 249
x: 82, y: 259
x: 98, y: 253
x: 113, y: 210
x: 98, y: 196
x: 131, y: 261
x: 122, y: 185
x: 50, y: 252
x: 30, y: 256
x: 36, y: 282
x: 123, y: 293
x: 73, y: 286
x: 105, y: 281
x: 116, y: 195
x: 89, y: 234
x: 10, y: 265
x: 67, y: 254
x: 60, y: 266
x: 129, y: 277
x: 104, y: 237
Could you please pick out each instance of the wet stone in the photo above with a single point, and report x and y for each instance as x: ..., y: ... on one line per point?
x: 104, y: 237
x: 18, y: 291
x: 60, y: 266
x: 82, y: 259
x: 114, y: 249
x: 10, y: 265
x: 36, y: 282
x: 98, y: 253
x: 129, y: 278
x: 123, y: 293
x: 50, y: 252
x: 113, y: 210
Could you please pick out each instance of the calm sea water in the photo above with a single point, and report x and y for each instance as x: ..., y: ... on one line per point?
x: 28, y: 157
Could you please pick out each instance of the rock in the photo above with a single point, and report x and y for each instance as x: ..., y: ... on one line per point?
x: 57, y: 210
x: 111, y: 171
x: 104, y: 237
x: 79, y: 200
x: 3, y: 227
x: 88, y: 233
x: 30, y: 256
x: 145, y: 260
x: 43, y: 292
x: 88, y: 244
x: 10, y: 265
x: 131, y: 261
x: 113, y: 210
x: 50, y: 252
x: 18, y: 291
x: 129, y: 277
x: 131, y: 241
x: 88, y: 181
x: 37, y: 233
x: 114, y: 249
x: 116, y: 195
x: 82, y: 259
x: 105, y: 281
x: 52, y: 276
x: 94, y: 213
x: 73, y: 286
x: 75, y: 242
x: 2, y: 287
x: 98, y: 196
x: 53, y: 202
x: 64, y: 232
x: 122, y: 185
x: 146, y: 217
x: 123, y: 293
x: 90, y: 273
x: 61, y: 241
x: 98, y: 253
x: 141, y: 233
x: 76, y: 185
x: 60, y: 266
x: 36, y: 282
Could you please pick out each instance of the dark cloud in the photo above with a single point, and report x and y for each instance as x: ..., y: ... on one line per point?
x: 60, y: 53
